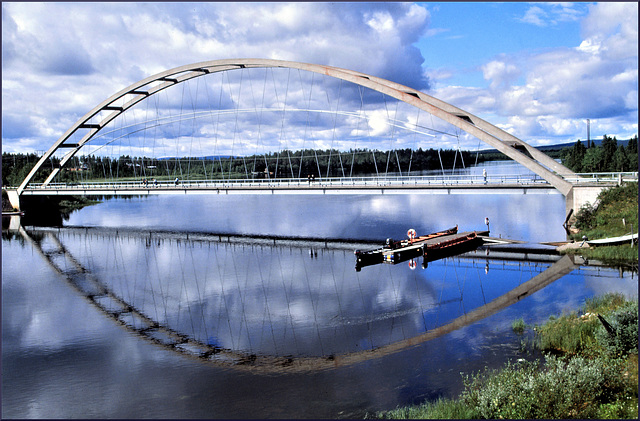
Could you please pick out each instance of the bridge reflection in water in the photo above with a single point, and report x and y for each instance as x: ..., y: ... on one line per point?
x: 272, y: 305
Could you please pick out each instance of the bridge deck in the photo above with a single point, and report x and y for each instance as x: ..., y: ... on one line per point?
x: 442, y: 184
x: 316, y: 189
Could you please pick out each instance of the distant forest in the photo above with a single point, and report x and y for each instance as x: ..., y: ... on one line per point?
x: 608, y: 156
x: 285, y: 164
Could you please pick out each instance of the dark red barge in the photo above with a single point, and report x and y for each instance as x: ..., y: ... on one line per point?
x: 431, y: 247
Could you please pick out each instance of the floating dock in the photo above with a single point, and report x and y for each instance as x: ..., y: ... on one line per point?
x: 431, y: 247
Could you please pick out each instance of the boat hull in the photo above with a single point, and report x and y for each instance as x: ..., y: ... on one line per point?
x: 432, y: 247
x: 457, y: 246
x: 379, y: 255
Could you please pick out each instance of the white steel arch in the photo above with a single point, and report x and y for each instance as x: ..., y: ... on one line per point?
x: 539, y: 163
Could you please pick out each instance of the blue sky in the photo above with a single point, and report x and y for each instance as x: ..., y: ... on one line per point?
x: 465, y: 35
x: 537, y: 70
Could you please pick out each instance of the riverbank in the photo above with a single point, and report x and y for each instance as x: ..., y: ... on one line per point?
x: 63, y: 204
x: 592, y: 354
x: 614, y: 214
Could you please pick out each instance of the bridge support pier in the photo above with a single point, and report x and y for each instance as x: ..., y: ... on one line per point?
x: 14, y: 198
x: 584, y: 194
x: 579, y: 196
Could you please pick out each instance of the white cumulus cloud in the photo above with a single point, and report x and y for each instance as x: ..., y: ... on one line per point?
x: 544, y: 95
x: 61, y: 59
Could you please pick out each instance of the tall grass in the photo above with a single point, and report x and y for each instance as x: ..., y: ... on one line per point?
x: 569, y: 334
x: 573, y: 333
x: 518, y: 326
x: 596, y: 376
x: 440, y: 409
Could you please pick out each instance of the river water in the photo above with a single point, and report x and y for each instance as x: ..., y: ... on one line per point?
x: 251, y: 307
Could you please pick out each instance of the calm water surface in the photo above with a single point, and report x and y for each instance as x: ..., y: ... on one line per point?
x: 186, y: 307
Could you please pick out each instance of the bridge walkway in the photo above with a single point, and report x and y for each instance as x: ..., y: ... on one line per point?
x: 357, y: 185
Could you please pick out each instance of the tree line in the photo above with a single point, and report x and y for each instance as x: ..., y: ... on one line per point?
x: 609, y: 156
x: 284, y: 164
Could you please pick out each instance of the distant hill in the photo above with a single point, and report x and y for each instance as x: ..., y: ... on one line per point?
x: 545, y: 148
x: 560, y: 146
x: 207, y: 158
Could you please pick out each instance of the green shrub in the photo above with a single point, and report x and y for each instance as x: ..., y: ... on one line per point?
x: 626, y: 191
x: 626, y: 408
x: 518, y: 326
x: 587, y: 383
x: 586, y: 217
x: 623, y: 339
x: 573, y: 389
x: 569, y: 334
x: 615, y: 215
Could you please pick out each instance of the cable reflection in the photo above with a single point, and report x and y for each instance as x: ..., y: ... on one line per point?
x: 266, y: 304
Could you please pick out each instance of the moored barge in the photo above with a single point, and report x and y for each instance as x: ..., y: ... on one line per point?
x: 432, y: 247
x: 450, y: 247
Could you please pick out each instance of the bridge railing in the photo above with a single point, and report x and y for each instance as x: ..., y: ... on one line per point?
x: 368, y: 181
x: 603, y: 177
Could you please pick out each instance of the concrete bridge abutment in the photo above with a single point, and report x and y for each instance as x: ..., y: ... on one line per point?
x: 14, y: 198
x: 584, y: 195
x: 580, y: 196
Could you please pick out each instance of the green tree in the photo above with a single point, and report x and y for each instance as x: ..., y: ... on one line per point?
x: 575, y: 156
x: 632, y: 146
x: 572, y: 157
x: 620, y: 162
x: 592, y: 161
x: 609, y: 146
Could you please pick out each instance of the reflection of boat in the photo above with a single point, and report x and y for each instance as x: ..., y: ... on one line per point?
x: 392, y: 250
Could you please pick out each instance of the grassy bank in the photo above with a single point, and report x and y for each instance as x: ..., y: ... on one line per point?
x: 616, y: 214
x: 590, y: 370
x: 63, y: 204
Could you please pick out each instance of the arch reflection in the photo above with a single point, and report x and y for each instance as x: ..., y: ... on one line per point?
x: 272, y: 304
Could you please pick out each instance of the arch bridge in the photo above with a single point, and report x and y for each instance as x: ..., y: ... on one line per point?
x: 549, y: 174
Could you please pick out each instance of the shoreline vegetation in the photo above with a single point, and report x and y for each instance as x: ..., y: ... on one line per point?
x: 590, y: 367
x: 614, y: 214
x: 62, y: 204
x: 590, y: 371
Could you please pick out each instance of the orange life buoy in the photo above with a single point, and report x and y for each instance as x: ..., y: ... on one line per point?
x: 412, y: 264
x: 411, y: 233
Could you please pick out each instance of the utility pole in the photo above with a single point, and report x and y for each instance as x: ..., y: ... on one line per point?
x: 588, y: 133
